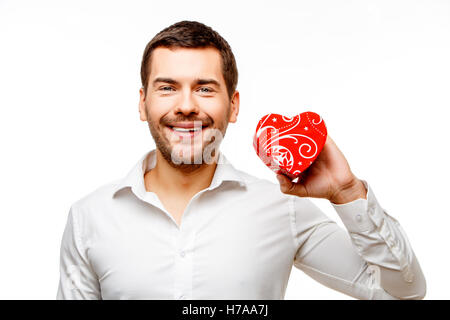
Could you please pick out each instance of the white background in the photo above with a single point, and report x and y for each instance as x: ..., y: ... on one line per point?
x: 377, y: 71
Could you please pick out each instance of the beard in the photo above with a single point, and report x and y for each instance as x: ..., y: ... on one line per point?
x: 178, y: 156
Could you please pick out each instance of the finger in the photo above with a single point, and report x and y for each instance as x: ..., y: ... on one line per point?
x: 285, y: 182
x: 289, y: 187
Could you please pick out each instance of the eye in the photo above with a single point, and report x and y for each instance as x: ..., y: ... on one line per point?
x: 205, y: 90
x: 166, y: 88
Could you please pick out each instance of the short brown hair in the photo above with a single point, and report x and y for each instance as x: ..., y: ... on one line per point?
x: 192, y: 34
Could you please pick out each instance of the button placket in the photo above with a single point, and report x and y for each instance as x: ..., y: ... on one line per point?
x: 183, y: 264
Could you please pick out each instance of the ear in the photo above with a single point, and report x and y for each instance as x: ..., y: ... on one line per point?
x: 142, y: 111
x: 234, y: 107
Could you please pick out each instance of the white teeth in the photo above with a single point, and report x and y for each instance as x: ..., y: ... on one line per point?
x: 186, y: 129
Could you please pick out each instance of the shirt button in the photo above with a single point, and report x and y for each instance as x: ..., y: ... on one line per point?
x: 182, y: 253
x: 358, y: 218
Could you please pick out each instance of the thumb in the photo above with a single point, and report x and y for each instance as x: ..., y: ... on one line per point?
x: 289, y: 187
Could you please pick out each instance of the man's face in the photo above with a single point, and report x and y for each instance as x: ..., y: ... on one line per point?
x: 186, y: 104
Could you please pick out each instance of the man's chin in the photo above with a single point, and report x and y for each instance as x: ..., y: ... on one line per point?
x: 188, y: 158
x: 183, y: 159
x: 186, y: 167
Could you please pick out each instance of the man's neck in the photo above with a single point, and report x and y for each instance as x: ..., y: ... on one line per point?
x: 165, y: 178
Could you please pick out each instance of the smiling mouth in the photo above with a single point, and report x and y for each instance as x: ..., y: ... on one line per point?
x: 186, y: 129
x: 180, y: 129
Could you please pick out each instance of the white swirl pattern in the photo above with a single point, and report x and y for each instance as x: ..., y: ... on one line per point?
x: 280, y: 155
x: 320, y: 120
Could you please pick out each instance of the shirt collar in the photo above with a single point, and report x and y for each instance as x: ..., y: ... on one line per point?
x: 225, y: 171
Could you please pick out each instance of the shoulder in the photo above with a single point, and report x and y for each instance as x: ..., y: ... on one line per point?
x: 97, y: 200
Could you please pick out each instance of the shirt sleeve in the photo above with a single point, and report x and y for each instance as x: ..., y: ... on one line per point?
x: 372, y: 259
x: 78, y: 280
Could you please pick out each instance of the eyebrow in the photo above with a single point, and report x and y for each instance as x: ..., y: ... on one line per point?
x: 197, y: 81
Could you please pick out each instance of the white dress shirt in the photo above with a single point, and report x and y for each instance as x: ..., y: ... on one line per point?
x: 238, y: 239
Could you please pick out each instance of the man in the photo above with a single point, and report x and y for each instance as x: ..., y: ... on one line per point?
x: 185, y: 224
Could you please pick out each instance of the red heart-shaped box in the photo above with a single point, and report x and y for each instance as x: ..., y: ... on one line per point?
x: 290, y: 145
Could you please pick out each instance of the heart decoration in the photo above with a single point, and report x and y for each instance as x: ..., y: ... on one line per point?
x: 289, y: 145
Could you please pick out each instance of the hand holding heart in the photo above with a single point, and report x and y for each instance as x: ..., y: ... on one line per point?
x: 328, y: 177
x: 299, y: 147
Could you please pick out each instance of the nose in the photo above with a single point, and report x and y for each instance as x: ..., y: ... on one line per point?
x: 187, y: 105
